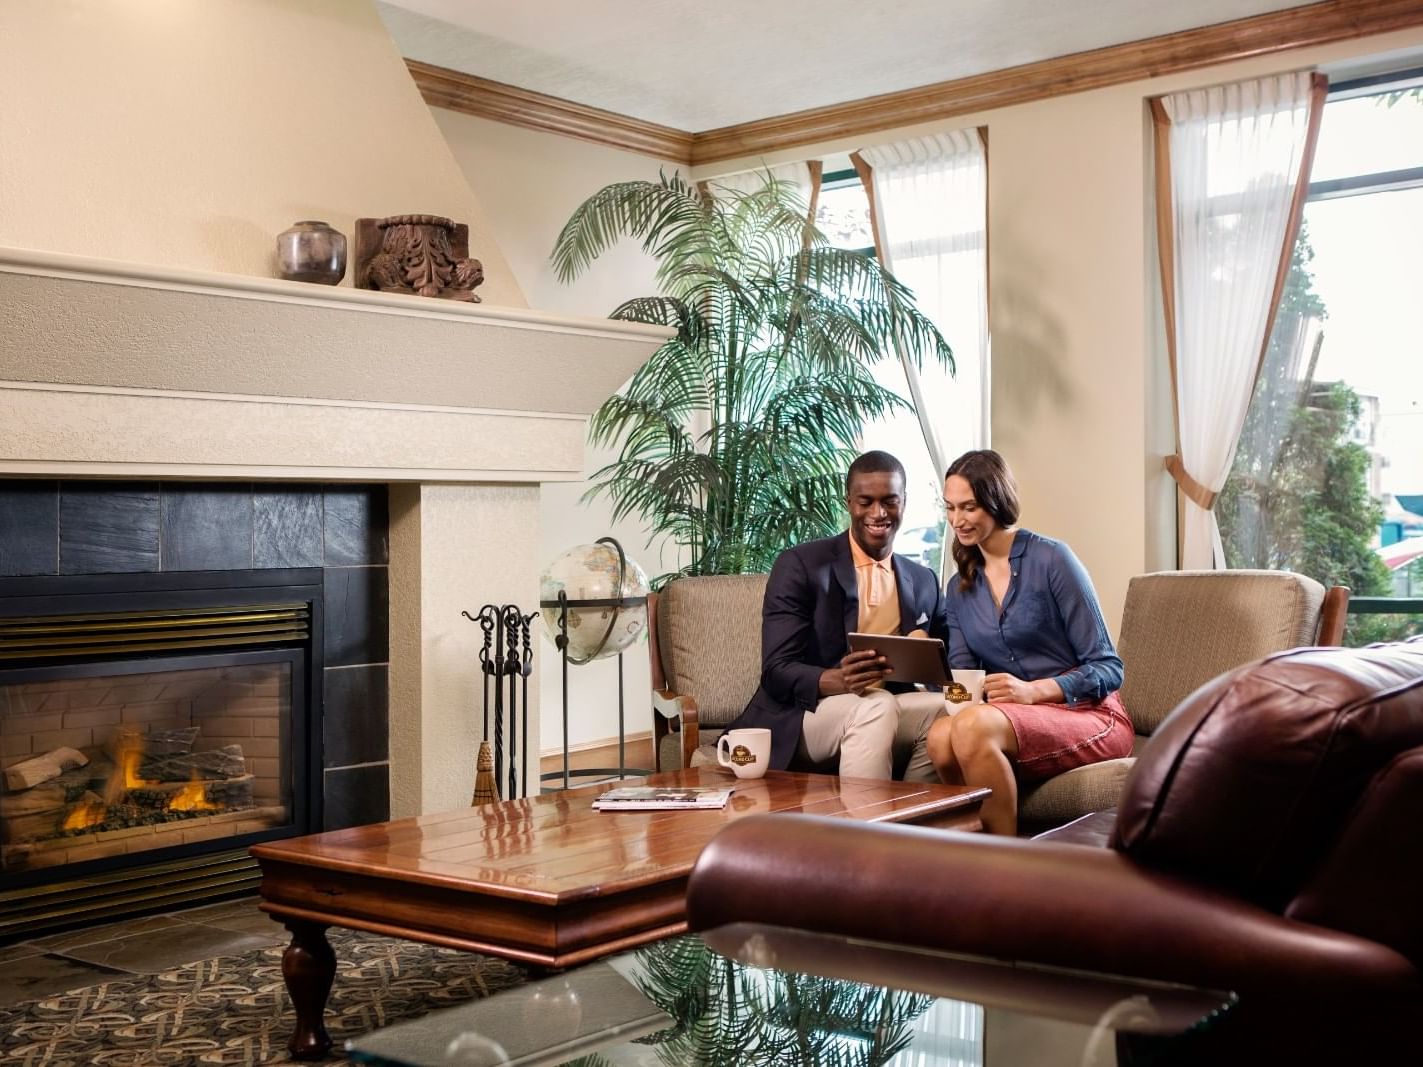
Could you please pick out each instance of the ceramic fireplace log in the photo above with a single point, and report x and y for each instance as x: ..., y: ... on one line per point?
x: 40, y: 769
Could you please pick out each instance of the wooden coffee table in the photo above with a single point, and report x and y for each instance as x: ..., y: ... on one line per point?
x: 545, y: 880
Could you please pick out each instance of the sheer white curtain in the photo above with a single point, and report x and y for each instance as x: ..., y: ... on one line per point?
x: 1232, y: 166
x: 804, y: 176
x: 929, y: 204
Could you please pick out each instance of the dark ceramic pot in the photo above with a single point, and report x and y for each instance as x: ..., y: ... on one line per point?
x: 311, y: 252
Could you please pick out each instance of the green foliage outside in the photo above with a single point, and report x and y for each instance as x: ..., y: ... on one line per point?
x: 735, y: 436
x: 1307, y: 507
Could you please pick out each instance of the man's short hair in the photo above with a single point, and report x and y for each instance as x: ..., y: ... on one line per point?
x: 875, y: 462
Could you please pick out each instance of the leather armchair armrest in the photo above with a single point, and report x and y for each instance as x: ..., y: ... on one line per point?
x: 681, y: 709
x: 1037, y: 902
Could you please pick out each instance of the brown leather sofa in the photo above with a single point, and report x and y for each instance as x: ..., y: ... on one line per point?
x: 1269, y: 842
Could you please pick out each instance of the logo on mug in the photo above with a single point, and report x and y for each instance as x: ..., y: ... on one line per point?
x: 741, y: 756
x: 956, y: 693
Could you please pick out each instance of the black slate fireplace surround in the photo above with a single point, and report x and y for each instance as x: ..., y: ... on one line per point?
x: 121, y: 546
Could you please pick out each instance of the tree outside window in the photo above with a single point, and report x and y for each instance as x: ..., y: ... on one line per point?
x: 1330, y: 461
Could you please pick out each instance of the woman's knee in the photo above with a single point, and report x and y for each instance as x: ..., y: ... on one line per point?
x: 981, y: 729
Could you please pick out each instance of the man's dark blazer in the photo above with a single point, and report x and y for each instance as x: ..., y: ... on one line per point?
x: 812, y: 602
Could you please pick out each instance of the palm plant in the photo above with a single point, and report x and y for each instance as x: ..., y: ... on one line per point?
x: 735, y: 435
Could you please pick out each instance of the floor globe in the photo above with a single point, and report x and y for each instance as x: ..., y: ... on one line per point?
x: 606, y: 600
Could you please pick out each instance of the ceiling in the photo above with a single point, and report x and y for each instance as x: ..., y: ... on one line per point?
x: 701, y: 66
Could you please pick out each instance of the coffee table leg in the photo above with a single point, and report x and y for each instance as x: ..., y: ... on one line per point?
x: 309, y: 966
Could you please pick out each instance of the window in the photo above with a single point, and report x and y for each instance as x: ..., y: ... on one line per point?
x: 843, y: 215
x: 1328, y: 476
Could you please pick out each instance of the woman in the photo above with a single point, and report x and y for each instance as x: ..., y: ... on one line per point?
x: 1022, y: 609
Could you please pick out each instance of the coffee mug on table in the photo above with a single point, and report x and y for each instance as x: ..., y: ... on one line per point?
x: 965, y: 689
x: 747, y: 752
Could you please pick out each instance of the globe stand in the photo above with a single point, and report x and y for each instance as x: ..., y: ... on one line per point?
x: 617, y: 603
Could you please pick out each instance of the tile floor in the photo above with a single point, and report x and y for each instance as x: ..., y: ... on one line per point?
x: 56, y: 962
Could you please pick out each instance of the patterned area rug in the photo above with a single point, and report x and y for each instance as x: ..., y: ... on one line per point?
x: 235, y: 1009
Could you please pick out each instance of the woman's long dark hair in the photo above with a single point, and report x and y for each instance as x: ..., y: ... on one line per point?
x: 995, y: 491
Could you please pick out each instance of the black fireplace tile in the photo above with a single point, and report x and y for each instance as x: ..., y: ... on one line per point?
x: 108, y: 527
x: 357, y: 522
x: 160, y: 925
x: 357, y: 605
x: 286, y: 527
x: 29, y: 528
x: 149, y: 954
x: 357, y: 796
x: 40, y: 976
x: 207, y: 527
x: 356, y: 720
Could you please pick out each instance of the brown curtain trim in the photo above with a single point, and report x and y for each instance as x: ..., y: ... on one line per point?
x: 817, y: 169
x: 982, y: 132
x: 1192, y: 489
x: 1318, y: 90
x: 1166, y: 247
x: 1166, y: 256
x: 866, y: 173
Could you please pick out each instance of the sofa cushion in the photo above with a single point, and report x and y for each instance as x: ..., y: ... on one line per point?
x: 1180, y: 629
x: 709, y: 637
x: 1090, y: 788
x: 1248, y: 783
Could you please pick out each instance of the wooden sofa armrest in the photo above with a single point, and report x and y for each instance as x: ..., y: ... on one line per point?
x: 669, y: 707
x: 1333, y: 614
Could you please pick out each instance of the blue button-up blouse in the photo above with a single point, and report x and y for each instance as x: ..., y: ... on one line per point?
x: 1050, y: 626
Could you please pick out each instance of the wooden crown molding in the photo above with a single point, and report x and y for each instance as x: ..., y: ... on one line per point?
x: 1333, y: 20
x: 1316, y: 24
x: 535, y: 111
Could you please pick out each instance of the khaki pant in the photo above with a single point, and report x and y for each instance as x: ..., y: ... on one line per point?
x: 878, y: 735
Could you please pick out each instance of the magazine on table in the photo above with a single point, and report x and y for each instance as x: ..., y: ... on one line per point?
x: 663, y: 797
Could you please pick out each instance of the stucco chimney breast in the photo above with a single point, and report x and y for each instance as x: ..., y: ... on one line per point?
x: 149, y: 156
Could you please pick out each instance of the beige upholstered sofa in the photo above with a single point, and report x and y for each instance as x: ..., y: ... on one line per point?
x: 705, y: 636
x: 1179, y: 630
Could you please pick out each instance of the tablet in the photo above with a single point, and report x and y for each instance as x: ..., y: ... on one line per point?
x: 912, y: 659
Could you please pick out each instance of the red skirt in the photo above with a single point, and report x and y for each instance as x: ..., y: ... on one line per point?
x: 1053, y: 738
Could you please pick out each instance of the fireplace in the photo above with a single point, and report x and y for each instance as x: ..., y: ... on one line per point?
x: 148, y: 721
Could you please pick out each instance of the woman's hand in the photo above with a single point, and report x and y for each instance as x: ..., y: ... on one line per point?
x: 856, y: 673
x: 1012, y: 690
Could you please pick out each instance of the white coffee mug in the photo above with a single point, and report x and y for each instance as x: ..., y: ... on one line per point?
x: 747, y: 752
x: 965, y: 689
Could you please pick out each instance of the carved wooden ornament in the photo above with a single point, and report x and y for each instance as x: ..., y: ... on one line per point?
x: 427, y: 255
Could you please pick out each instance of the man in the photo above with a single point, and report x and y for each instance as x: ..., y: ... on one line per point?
x: 819, y: 699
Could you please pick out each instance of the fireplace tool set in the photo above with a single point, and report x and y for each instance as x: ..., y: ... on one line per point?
x: 506, y: 660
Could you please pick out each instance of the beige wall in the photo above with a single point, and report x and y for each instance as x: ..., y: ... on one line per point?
x: 531, y: 183
x: 1080, y: 388
x: 188, y: 135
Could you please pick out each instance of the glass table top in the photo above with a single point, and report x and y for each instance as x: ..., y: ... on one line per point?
x: 752, y: 995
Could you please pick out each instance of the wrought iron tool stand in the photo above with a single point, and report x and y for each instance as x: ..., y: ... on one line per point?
x: 506, y: 634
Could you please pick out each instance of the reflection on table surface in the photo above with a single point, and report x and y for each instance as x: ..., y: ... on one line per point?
x: 756, y: 995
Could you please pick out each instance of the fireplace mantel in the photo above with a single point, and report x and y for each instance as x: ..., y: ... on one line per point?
x: 112, y: 369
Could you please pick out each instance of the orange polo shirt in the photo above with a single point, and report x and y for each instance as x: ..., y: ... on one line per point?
x: 879, y: 593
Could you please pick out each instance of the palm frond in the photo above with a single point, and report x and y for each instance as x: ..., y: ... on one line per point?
x: 776, y: 332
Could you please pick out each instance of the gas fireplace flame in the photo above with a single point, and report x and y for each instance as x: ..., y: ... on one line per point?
x: 130, y: 758
x: 192, y: 797
x: 90, y: 813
